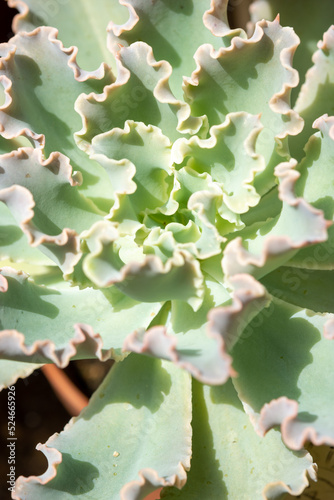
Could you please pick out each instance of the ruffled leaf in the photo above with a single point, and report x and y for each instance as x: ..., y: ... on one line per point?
x: 126, y: 154
x: 226, y: 448
x: 11, y: 371
x: 309, y: 26
x: 141, y: 93
x: 232, y: 167
x: 274, y: 242
x: 317, y: 93
x: 42, y: 324
x: 145, y: 278
x: 199, y: 341
x: 87, y: 31
x: 14, y: 244
x: 280, y: 362
x: 31, y: 81
x: 255, y: 76
x: 151, y: 22
x: 140, y: 397
x: 44, y: 199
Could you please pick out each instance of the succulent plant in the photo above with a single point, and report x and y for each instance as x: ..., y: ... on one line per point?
x: 165, y: 202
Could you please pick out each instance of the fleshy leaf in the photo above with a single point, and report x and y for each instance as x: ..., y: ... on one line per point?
x: 42, y: 324
x: 272, y: 244
x: 226, y: 448
x: 44, y: 199
x: 30, y: 80
x: 199, y: 341
x: 126, y: 154
x: 317, y: 93
x: 11, y: 371
x: 280, y: 360
x: 309, y: 26
x: 231, y: 166
x: 316, y: 182
x: 141, y: 93
x: 140, y: 397
x: 150, y: 22
x: 144, y: 278
x: 309, y: 288
x: 247, y: 76
x: 93, y: 20
x: 14, y: 243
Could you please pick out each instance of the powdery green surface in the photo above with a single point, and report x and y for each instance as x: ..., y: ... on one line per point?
x: 156, y: 207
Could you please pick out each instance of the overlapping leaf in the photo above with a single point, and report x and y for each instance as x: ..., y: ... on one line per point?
x: 222, y: 455
x: 138, y: 399
x: 255, y: 76
x: 42, y: 324
x: 31, y: 82
x: 88, y: 32
x: 309, y: 27
x: 280, y: 364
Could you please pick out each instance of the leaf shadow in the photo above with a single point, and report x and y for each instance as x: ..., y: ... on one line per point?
x: 74, y: 477
x: 272, y: 355
x: 58, y: 134
x: 137, y: 381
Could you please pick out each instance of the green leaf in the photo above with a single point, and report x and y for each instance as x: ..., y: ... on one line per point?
x: 247, y: 76
x: 143, y: 277
x: 42, y: 324
x: 32, y: 111
x: 141, y: 93
x: 126, y: 154
x: 87, y: 31
x: 44, y: 199
x: 319, y: 256
x: 200, y: 340
x: 151, y: 23
x: 317, y: 93
x: 309, y: 27
x: 11, y: 371
x: 264, y: 246
x: 309, y: 288
x: 142, y: 437
x: 316, y: 182
x: 232, y: 166
x: 14, y: 243
x: 280, y: 361
x: 230, y: 460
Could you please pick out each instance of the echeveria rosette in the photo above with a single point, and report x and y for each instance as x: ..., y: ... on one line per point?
x: 166, y: 225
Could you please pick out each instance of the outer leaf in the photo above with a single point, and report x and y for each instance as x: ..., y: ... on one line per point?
x: 151, y: 22
x: 280, y: 364
x: 44, y: 199
x: 231, y: 166
x: 199, y: 341
x: 137, y: 400
x: 87, y: 31
x: 246, y: 77
x: 309, y: 288
x: 230, y: 460
x: 14, y: 243
x: 59, y: 322
x: 316, y: 186
x: 317, y: 92
x: 141, y: 93
x: 29, y: 110
x: 273, y: 243
x: 308, y: 21
x: 11, y: 371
